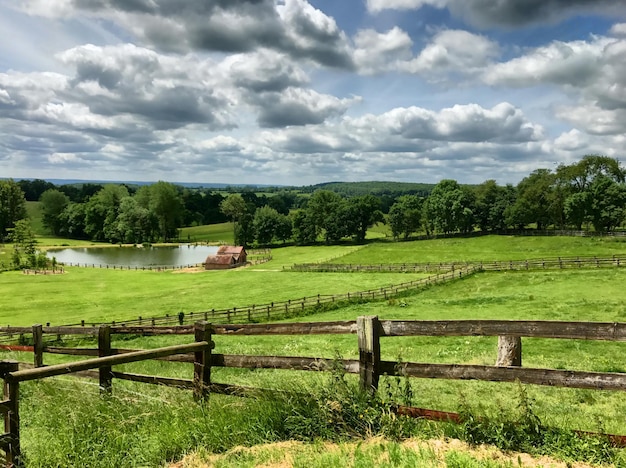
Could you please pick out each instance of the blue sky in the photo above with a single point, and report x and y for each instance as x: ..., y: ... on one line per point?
x: 299, y: 92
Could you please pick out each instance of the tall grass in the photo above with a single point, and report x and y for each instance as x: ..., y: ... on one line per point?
x: 66, y: 423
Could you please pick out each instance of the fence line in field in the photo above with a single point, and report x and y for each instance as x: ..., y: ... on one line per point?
x: 494, y: 265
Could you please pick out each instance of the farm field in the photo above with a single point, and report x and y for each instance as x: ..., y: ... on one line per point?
x: 94, y: 294
x: 484, y: 248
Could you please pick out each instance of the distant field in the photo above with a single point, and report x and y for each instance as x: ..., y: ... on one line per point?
x: 33, y: 208
x: 484, y: 248
x: 208, y: 233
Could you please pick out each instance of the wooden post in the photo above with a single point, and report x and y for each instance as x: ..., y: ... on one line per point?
x: 202, y: 362
x: 368, y: 332
x: 509, y: 351
x: 38, y: 345
x: 104, y: 349
x: 12, y: 418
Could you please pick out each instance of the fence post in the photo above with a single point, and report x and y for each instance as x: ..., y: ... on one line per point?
x: 368, y: 333
x: 104, y: 349
x: 509, y: 351
x: 12, y: 417
x: 38, y: 345
x: 202, y: 362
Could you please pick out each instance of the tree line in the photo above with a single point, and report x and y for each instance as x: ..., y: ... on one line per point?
x: 589, y: 194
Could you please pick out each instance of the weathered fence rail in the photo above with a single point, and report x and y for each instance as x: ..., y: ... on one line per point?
x: 13, y: 376
x: 495, y: 265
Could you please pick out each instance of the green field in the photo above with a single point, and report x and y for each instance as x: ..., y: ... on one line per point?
x: 485, y: 248
x: 209, y: 233
x: 100, y: 295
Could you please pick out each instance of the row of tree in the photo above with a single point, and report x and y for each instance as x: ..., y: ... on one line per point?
x: 589, y: 193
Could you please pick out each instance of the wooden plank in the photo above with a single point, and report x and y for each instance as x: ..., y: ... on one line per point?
x: 71, y: 330
x: 104, y: 349
x: 152, y: 330
x: 608, y: 331
x: 369, y: 352
x: 303, y: 328
x: 202, y: 361
x: 5, y: 406
x: 71, y: 351
x: 68, y: 368
x: 282, y: 362
x: 153, y: 379
x: 38, y: 345
x: 547, y: 377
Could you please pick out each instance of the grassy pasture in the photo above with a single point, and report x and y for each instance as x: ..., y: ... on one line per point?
x: 484, y: 248
x: 208, y: 233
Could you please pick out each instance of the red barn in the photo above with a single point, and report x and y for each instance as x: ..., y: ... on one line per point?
x: 227, y: 256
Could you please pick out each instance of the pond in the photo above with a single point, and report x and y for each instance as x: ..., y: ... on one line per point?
x: 165, y: 256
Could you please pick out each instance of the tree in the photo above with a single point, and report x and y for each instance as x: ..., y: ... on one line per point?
x: 73, y: 221
x: 450, y: 207
x: 164, y: 203
x: 24, y: 245
x: 12, y: 206
x: 235, y: 207
x: 33, y: 189
x: 53, y: 202
x: 101, y: 212
x: 326, y: 210
x: 361, y: 213
x: 304, y: 229
x: 266, y: 220
x: 134, y: 223
x: 535, y: 200
x: 608, y: 203
x: 492, y: 201
x: 405, y: 216
x: 284, y: 228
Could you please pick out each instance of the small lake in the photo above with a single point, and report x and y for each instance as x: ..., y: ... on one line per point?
x: 175, y: 255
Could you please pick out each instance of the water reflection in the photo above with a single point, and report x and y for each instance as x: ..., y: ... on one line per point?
x: 175, y: 255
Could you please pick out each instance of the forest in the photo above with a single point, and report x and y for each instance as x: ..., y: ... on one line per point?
x: 589, y: 194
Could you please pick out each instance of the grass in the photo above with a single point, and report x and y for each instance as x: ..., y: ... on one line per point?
x: 100, y: 295
x: 484, y: 248
x: 208, y: 233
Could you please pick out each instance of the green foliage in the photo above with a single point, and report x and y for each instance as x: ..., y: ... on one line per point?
x: 53, y: 202
x: 405, y: 216
x: 24, y: 245
x: 450, y: 208
x: 12, y: 206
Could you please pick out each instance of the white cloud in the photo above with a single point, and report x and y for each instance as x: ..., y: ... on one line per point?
x: 453, y: 50
x: 381, y: 51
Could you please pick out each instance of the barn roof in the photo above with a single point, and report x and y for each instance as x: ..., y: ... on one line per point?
x: 220, y: 259
x: 230, y: 250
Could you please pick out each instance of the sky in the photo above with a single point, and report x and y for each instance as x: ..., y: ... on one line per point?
x: 297, y: 92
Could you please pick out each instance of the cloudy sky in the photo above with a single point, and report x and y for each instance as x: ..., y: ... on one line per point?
x: 299, y: 92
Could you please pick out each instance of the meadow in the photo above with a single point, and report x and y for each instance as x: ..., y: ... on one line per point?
x: 163, y: 424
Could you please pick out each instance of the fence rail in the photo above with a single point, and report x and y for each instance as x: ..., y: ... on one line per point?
x: 494, y: 265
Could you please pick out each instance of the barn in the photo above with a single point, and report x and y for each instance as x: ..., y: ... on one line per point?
x: 227, y: 256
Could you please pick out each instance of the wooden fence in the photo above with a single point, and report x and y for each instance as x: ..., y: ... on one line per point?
x: 13, y: 376
x: 369, y: 366
x: 496, y: 265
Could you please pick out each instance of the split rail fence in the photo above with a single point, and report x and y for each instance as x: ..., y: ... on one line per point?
x: 370, y: 367
x: 615, y: 261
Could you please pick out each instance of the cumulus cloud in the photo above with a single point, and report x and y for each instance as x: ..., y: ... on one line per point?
x: 594, y: 70
x: 453, y: 50
x: 508, y: 13
x: 381, y: 51
x: 293, y: 27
